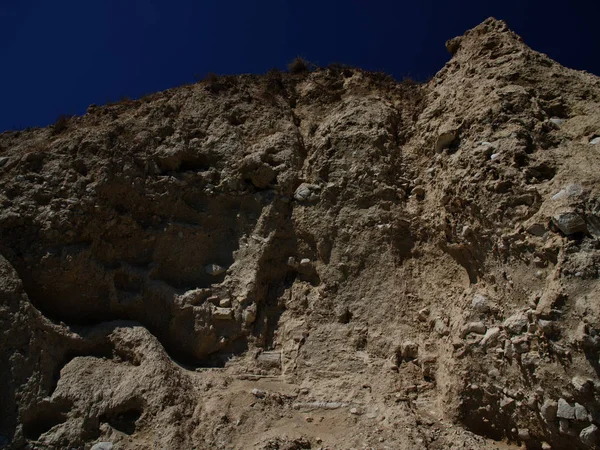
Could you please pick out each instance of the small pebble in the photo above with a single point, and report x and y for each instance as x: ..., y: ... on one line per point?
x: 102, y: 446
x: 258, y: 393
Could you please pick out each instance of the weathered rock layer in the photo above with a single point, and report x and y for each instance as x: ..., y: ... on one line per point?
x: 316, y: 260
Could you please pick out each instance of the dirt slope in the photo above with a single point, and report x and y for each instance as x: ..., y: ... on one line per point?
x: 316, y: 260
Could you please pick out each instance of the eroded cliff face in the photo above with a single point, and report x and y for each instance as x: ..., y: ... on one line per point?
x: 321, y: 260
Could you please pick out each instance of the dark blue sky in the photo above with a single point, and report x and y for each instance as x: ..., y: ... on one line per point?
x: 60, y: 56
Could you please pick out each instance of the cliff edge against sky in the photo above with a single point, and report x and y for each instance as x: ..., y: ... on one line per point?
x: 326, y: 259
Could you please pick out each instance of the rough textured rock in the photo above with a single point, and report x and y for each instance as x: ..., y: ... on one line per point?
x: 103, y: 446
x: 569, y: 222
x: 565, y: 411
x: 293, y: 261
x: 589, y: 435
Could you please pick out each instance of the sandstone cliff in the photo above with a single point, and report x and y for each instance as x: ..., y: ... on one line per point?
x: 316, y: 260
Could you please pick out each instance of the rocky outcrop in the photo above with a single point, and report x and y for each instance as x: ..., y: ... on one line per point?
x: 315, y: 260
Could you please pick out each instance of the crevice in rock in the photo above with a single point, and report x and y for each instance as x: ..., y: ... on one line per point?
x: 124, y: 417
x: 465, y: 257
x: 483, y: 416
x: 43, y: 418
